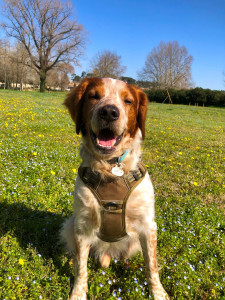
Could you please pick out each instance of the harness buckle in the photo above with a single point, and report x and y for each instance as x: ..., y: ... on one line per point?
x: 111, y: 206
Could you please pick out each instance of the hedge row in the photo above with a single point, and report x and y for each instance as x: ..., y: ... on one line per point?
x: 196, y: 96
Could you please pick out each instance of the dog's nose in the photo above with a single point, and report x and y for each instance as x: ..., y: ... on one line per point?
x: 109, y: 113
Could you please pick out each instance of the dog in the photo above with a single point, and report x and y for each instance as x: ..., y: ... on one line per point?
x: 114, y: 214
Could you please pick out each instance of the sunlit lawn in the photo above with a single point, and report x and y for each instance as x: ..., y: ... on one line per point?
x: 39, y: 157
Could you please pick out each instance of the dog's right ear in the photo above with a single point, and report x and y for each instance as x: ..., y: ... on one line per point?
x: 74, y: 104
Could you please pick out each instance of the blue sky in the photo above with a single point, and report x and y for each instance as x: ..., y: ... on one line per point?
x: 132, y: 28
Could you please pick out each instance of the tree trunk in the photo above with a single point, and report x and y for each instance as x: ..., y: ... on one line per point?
x: 42, y: 81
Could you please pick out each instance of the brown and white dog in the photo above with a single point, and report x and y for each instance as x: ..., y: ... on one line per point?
x: 110, y: 115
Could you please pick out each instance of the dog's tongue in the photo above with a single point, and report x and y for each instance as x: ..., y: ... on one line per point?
x: 107, y: 143
x: 106, y: 139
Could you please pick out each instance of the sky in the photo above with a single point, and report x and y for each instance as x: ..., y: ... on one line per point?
x: 132, y: 28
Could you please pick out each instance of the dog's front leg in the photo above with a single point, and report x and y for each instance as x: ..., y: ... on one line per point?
x: 80, y: 287
x: 148, y: 242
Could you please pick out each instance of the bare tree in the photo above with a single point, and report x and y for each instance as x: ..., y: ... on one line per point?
x: 107, y: 64
x: 19, y: 59
x: 14, y: 72
x: 58, y: 77
x: 52, y: 80
x: 46, y: 31
x: 64, y: 70
x: 5, y: 63
x: 168, y: 66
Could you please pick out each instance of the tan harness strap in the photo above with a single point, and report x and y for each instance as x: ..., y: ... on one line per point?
x: 112, y: 196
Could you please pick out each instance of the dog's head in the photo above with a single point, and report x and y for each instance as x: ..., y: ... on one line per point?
x: 106, y: 111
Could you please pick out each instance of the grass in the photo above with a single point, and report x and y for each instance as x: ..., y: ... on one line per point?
x: 39, y: 157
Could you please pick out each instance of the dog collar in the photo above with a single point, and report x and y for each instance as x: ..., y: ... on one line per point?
x: 118, y: 160
x: 121, y: 158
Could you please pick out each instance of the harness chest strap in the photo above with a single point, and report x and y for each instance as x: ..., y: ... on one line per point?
x: 112, y: 196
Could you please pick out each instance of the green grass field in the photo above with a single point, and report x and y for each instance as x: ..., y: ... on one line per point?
x: 39, y: 157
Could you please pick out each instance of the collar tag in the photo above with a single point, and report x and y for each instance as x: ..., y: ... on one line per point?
x: 117, y: 170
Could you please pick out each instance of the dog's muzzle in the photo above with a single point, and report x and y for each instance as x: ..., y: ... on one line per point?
x: 107, y: 139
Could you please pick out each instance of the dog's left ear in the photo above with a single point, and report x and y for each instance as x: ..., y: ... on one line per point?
x: 142, y: 110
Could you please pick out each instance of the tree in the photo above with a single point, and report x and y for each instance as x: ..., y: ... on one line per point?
x: 75, y: 78
x: 19, y: 59
x: 128, y: 80
x: 5, y: 73
x: 13, y: 70
x: 46, y: 31
x: 64, y: 70
x: 58, y: 77
x: 83, y: 74
x: 107, y: 64
x: 168, y: 66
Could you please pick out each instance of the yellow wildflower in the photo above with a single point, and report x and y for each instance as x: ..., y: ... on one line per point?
x: 52, y: 172
x: 21, y: 262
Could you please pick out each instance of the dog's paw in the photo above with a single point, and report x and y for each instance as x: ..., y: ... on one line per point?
x: 78, y: 296
x: 105, y: 261
x: 160, y: 294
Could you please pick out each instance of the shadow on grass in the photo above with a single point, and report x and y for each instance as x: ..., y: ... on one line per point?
x: 34, y: 228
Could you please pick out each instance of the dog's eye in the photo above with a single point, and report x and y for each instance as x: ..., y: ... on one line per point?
x: 128, y: 101
x: 94, y: 95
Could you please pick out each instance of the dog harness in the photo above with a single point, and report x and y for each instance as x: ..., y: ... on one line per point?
x: 112, y: 195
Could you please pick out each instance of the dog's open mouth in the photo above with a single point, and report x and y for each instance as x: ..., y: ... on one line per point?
x: 106, y: 141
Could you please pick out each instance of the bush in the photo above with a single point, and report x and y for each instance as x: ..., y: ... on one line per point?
x: 194, y: 96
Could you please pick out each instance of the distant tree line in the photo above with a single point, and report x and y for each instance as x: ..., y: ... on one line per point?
x: 192, y: 96
x: 140, y: 83
x: 196, y: 96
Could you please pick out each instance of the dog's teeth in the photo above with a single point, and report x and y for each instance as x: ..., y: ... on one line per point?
x: 97, y: 140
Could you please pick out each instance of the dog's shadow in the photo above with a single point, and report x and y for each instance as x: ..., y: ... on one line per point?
x: 38, y: 229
